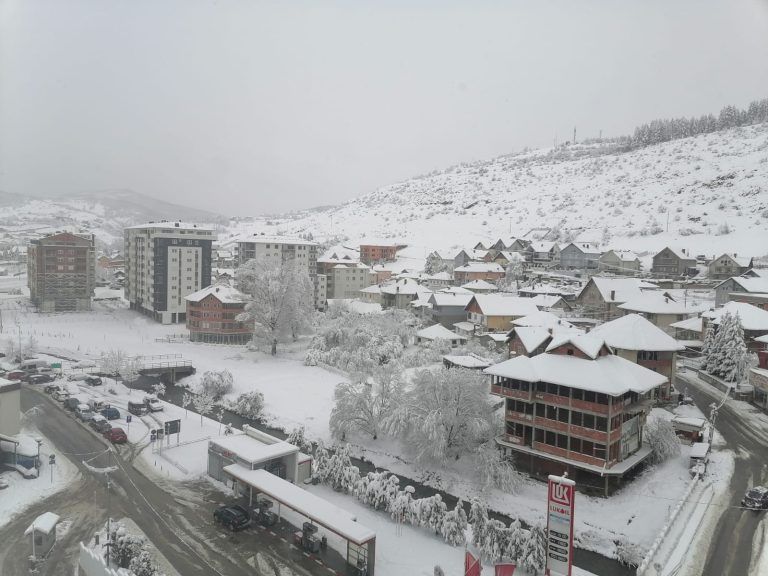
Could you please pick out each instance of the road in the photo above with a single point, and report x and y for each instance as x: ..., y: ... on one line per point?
x: 176, y: 517
x: 731, y: 548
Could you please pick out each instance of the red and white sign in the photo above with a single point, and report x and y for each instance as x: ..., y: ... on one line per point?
x: 472, y: 565
x: 560, y: 499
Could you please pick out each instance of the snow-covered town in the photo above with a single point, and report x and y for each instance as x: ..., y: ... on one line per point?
x: 550, y: 362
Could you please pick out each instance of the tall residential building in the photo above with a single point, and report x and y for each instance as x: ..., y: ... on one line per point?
x: 61, y: 272
x: 164, y: 263
x: 284, y: 248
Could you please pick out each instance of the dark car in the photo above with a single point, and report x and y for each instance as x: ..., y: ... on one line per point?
x: 40, y: 379
x: 93, y: 381
x: 756, y: 498
x: 116, y: 436
x: 51, y: 388
x: 234, y: 517
x: 137, y: 408
x: 16, y: 375
x: 100, y: 424
x: 110, y: 413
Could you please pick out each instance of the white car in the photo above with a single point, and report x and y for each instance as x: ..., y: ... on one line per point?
x: 77, y: 376
x: 153, y: 404
x: 83, y: 411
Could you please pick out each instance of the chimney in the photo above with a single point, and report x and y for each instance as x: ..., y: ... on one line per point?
x: 613, y: 294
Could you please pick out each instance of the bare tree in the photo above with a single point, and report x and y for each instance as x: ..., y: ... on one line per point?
x: 130, y: 370
x: 187, y: 400
x: 203, y: 403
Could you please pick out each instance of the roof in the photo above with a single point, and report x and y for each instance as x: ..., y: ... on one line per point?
x: 608, y: 374
x: 222, y: 291
x: 438, y: 331
x: 623, y: 289
x: 252, y: 450
x: 623, y: 255
x: 450, y: 299
x: 543, y: 319
x: 480, y: 267
x: 45, y: 523
x: 689, y: 422
x: 468, y: 361
x: 742, y: 261
x: 531, y: 337
x: 372, y: 289
x: 511, y: 256
x: 699, y: 449
x: 587, y: 343
x: 633, y: 332
x: 693, y: 324
x: 456, y: 290
x: 464, y: 325
x: 585, y: 247
x: 677, y: 252
x: 504, y: 305
x: 752, y: 318
x: 258, y: 238
x: 178, y: 225
x: 480, y: 285
x: 547, y: 300
x: 757, y: 285
x: 307, y: 504
x: 657, y: 302
x: 404, y: 286
x: 763, y: 339
x: 539, y: 246
x: 441, y: 276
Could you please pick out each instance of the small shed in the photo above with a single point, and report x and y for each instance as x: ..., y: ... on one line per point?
x: 699, y: 456
x: 690, y: 428
x: 43, y: 533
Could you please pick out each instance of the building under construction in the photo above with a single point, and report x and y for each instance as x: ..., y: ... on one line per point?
x: 61, y: 272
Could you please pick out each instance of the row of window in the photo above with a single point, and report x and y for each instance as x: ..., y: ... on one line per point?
x: 586, y: 447
x: 561, y: 414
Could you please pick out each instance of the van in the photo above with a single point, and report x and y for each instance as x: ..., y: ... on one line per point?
x: 96, y: 405
x: 34, y: 364
x: 137, y: 409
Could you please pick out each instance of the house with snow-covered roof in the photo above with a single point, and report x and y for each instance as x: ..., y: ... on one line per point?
x: 580, y: 256
x: 401, y: 293
x: 494, y: 312
x: 544, y: 254
x: 619, y: 261
x: 636, y: 339
x: 731, y: 288
x: 480, y: 287
x: 533, y: 340
x: 601, y: 295
x: 488, y: 271
x: 439, y: 332
x: 577, y: 407
x: 447, y: 308
x: 727, y: 265
x: 464, y: 257
x: 551, y: 302
x: 673, y: 263
x: 662, y: 309
x: 439, y: 280
x: 212, y: 315
x: 689, y: 332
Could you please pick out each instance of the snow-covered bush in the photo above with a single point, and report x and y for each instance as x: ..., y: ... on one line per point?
x: 515, y: 537
x: 430, y: 512
x: 455, y: 525
x: 534, y: 550
x: 496, y: 540
x: 298, y: 438
x: 629, y: 553
x: 249, y: 405
x: 494, y: 470
x: 125, y: 546
x: 478, y: 519
x: 444, y: 414
x: 216, y: 383
x: 661, y: 437
x: 402, y: 506
x: 336, y: 470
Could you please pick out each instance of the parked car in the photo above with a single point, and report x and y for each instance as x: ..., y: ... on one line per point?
x: 137, y: 409
x: 16, y: 375
x: 95, y: 404
x: 756, y: 498
x: 71, y: 403
x: 40, y: 378
x: 153, y: 404
x: 60, y: 395
x: 93, y: 381
x: 234, y: 517
x: 77, y: 376
x: 83, y: 412
x: 110, y: 413
x: 116, y: 436
x: 51, y: 388
x: 100, y: 424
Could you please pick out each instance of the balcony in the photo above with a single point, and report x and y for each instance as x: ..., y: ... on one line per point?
x: 584, y: 406
x: 570, y: 455
x: 510, y: 393
x: 513, y: 416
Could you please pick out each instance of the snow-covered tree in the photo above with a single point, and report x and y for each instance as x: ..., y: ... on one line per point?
x: 496, y: 540
x: 494, y: 470
x: 707, y: 348
x: 216, y: 383
x: 478, y: 519
x: 455, y: 525
x: 534, y: 550
x: 187, y: 400
x: 430, y: 512
x: 364, y: 403
x: 661, y: 437
x: 718, y: 350
x: 515, y: 537
x: 158, y: 389
x: 734, y: 364
x: 298, y: 438
x: 402, y: 506
x: 249, y: 405
x: 130, y: 369
x: 280, y: 298
x: 320, y: 464
x: 111, y: 362
x: 125, y: 546
x: 203, y: 404
x: 445, y: 413
x: 143, y: 565
x: 340, y: 474
x: 434, y: 264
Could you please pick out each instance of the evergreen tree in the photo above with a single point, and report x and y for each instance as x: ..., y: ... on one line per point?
x: 402, y: 507
x: 734, y: 366
x: 709, y: 339
x: 478, y: 518
x: 455, y: 525
x: 534, y: 550
x: 716, y: 350
x: 496, y: 540
x: 515, y: 540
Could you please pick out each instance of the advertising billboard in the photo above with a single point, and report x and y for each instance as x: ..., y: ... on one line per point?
x: 560, y: 496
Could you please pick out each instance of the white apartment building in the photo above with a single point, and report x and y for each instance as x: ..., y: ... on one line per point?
x: 348, y: 280
x: 303, y: 252
x: 164, y: 263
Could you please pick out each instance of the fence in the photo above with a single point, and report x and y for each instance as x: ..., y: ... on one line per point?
x: 92, y: 563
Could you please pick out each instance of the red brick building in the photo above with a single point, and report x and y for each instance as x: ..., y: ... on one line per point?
x: 576, y: 408
x: 373, y: 253
x: 212, y: 313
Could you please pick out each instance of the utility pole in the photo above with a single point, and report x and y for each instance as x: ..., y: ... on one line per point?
x: 574, y: 134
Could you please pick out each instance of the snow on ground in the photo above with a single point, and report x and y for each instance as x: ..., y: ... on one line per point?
x: 22, y: 493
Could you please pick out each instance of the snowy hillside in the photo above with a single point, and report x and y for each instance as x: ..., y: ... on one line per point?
x: 710, y: 191
x: 103, y: 213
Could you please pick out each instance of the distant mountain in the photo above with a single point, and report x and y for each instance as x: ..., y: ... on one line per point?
x: 707, y: 193
x: 104, y: 213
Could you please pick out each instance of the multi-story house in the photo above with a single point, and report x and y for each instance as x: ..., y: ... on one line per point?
x: 212, y: 315
x: 619, y: 261
x: 672, y: 263
x: 164, y: 263
x: 349, y: 279
x: 402, y: 293
x: 283, y: 249
x: 634, y: 338
x: 580, y: 256
x: 447, y: 308
x: 577, y: 407
x: 600, y: 297
x: 543, y: 254
x: 744, y: 285
x: 662, y: 309
x: 61, y: 272
x: 729, y: 265
x: 495, y: 312
x: 376, y: 253
x: 488, y: 271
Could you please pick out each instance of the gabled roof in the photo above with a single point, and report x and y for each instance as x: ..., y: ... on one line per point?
x: 532, y: 337
x: 691, y: 324
x: 752, y: 318
x: 504, y: 305
x: 584, y: 247
x: 480, y: 267
x: 373, y: 289
x: 404, y: 286
x: 633, y: 332
x: 457, y: 290
x: 441, y: 276
x: 548, y: 301
x: 677, y: 252
x: 607, y: 374
x: 511, y: 256
x: 480, y: 285
x: 743, y: 261
x: 539, y: 246
x: 623, y: 289
x: 755, y: 285
x: 438, y: 331
x: 587, y: 343
x: 623, y: 255
x: 542, y: 319
x: 657, y: 302
x: 450, y: 299
x: 222, y: 291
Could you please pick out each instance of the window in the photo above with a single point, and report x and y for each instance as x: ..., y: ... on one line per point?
x: 550, y: 438
x: 576, y: 418
x: 588, y: 421
x: 602, y: 424
x: 562, y: 441
x: 589, y: 396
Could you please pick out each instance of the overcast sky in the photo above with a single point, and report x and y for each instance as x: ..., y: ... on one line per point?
x: 246, y: 107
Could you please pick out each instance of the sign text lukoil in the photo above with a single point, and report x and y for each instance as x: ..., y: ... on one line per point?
x: 560, y: 497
